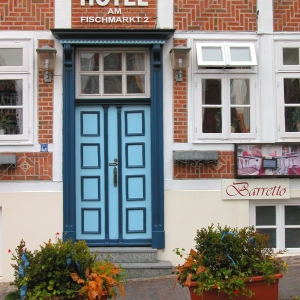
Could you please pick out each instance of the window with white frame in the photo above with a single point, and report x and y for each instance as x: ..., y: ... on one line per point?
x: 113, y: 73
x: 281, y: 221
x: 15, y: 75
x: 225, y: 91
x: 288, y: 83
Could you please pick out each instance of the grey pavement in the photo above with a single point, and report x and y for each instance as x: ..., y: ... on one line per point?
x: 162, y: 288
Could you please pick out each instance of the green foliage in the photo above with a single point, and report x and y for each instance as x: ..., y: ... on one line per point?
x: 225, y: 257
x: 48, y: 272
x: 14, y: 295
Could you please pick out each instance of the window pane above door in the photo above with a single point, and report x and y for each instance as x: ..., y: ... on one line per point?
x: 135, y: 61
x: 89, y: 61
x: 113, y: 73
x: 112, y: 61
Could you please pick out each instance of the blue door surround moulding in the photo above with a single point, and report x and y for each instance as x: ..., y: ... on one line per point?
x: 154, y: 38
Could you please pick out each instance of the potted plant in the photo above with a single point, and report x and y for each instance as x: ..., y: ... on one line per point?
x: 227, y: 261
x: 62, y: 270
x: 4, y: 120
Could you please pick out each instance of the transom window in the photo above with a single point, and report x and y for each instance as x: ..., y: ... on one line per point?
x: 226, y: 54
x: 114, y: 73
x: 280, y: 221
x: 288, y: 76
x: 15, y: 112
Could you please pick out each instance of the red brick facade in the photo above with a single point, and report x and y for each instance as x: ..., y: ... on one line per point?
x: 286, y: 15
x: 194, y: 15
x: 215, y: 15
x: 26, y: 14
x: 30, y: 166
x: 223, y: 168
x: 45, y: 104
x: 141, y: 16
x: 180, y: 113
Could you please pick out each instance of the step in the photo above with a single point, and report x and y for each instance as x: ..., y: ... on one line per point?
x: 146, y: 270
x: 126, y: 254
x: 138, y: 262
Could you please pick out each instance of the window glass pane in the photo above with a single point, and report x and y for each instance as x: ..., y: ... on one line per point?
x: 292, y: 96
x: 239, y: 91
x: 271, y: 232
x: 291, y: 90
x: 240, y: 120
x: 89, y: 61
x: 291, y: 56
x: 292, y: 237
x: 212, y: 120
x: 113, y: 84
x: 112, y: 61
x: 11, y: 96
x: 211, y: 91
x: 11, y: 121
x: 11, y: 92
x: 292, y: 215
x: 212, y: 54
x: 11, y: 57
x: 212, y: 115
x: 89, y: 84
x: 292, y: 119
x: 135, y: 61
x: 265, y: 215
x: 240, y: 54
x: 135, y: 84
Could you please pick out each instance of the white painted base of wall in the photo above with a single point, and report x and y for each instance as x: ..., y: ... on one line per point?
x: 187, y: 211
x: 34, y: 217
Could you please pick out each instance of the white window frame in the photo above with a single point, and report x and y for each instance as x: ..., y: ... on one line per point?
x: 279, y: 51
x: 101, y: 73
x: 24, y: 73
x: 226, y: 55
x: 280, y: 222
x: 226, y: 133
x: 285, y: 71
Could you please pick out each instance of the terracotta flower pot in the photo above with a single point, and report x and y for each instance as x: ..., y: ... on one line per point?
x: 258, y: 285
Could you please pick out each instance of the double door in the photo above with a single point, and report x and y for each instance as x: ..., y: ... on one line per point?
x: 113, y: 174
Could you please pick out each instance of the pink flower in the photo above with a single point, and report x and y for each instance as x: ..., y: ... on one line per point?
x: 57, y: 233
x: 9, y: 251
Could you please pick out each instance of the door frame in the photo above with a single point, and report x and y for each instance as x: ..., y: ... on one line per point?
x: 154, y: 39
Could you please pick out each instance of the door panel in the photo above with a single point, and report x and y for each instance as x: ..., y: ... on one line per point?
x: 113, y: 174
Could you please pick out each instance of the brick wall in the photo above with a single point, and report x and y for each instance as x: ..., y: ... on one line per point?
x: 26, y: 14
x: 45, y: 104
x: 286, y: 15
x: 215, y: 15
x: 180, y: 113
x: 139, y: 15
x: 30, y: 166
x: 224, y: 168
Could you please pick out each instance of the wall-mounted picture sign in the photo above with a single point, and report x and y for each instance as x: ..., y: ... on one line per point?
x: 262, y: 160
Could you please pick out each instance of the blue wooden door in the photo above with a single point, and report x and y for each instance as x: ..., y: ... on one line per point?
x: 113, y: 175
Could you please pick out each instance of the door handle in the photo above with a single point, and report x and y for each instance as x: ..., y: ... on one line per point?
x: 115, y: 177
x: 115, y: 171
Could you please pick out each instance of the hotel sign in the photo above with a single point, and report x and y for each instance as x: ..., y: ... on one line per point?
x: 235, y: 189
x: 116, y: 2
x: 114, y: 15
